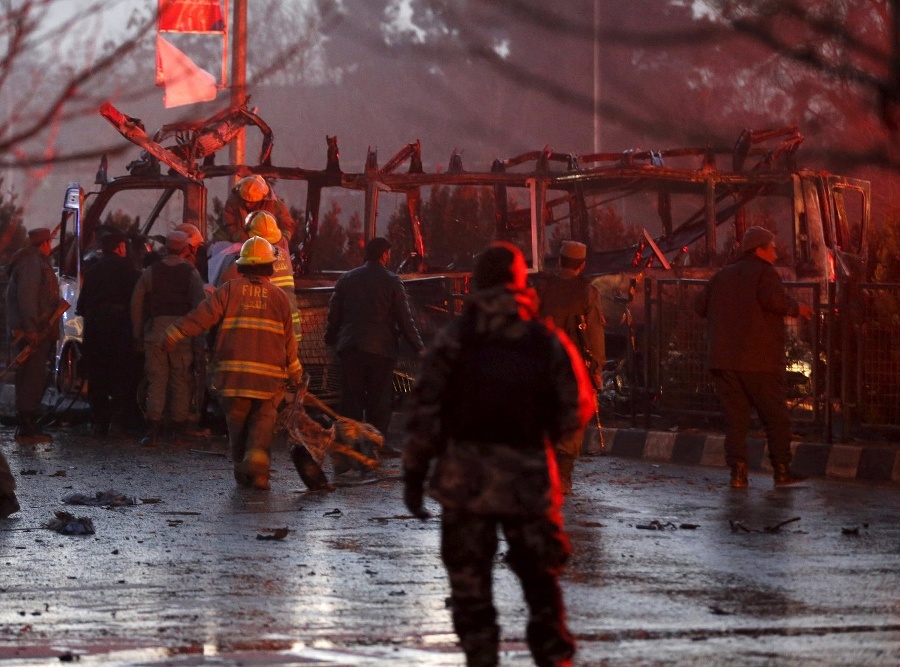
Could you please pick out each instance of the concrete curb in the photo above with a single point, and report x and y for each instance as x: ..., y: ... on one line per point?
x: 873, y: 462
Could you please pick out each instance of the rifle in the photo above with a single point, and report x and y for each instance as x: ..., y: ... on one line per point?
x: 28, y: 350
x: 591, y: 362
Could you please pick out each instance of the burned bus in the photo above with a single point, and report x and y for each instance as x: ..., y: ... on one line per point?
x: 646, y: 216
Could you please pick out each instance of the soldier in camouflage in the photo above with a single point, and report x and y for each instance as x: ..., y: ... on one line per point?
x: 497, y: 391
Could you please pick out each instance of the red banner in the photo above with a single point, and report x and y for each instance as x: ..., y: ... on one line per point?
x: 191, y: 16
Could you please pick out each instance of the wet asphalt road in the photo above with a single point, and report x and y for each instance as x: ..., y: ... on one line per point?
x: 669, y: 567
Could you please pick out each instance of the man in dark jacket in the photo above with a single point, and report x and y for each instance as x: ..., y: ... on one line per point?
x: 746, y: 304
x: 112, y: 365
x: 368, y: 313
x: 498, y: 390
x: 571, y: 302
x: 32, y: 296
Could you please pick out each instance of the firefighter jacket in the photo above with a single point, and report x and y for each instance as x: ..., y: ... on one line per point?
x: 369, y: 311
x: 497, y: 391
x: 166, y: 290
x: 32, y: 294
x: 255, y: 352
x: 745, y: 304
x: 236, y: 211
x: 283, y: 277
x: 568, y: 298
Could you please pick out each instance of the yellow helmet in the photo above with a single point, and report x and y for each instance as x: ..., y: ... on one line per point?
x: 256, y: 250
x: 252, y: 188
x: 262, y: 223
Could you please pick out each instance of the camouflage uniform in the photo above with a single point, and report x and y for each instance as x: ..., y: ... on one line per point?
x: 498, y: 390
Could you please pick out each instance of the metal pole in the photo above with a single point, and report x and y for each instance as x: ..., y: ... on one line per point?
x: 238, y: 75
x: 596, y: 76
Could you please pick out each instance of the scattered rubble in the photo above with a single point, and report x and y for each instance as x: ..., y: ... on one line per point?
x: 68, y: 524
x: 100, y: 499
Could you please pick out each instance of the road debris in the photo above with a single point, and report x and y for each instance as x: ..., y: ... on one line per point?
x: 335, y: 512
x: 738, y: 527
x: 656, y: 524
x: 68, y: 524
x: 277, y: 534
x: 100, y: 499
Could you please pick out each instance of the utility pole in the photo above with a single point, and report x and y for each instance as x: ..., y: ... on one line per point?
x: 596, y: 76
x: 238, y: 74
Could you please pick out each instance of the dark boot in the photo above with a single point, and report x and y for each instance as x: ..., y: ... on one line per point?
x: 28, y: 432
x: 8, y: 505
x: 566, y: 464
x: 784, y: 477
x: 241, y: 476
x: 739, y: 476
x: 154, y: 434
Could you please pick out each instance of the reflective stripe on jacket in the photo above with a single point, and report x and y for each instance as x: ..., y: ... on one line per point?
x: 255, y: 350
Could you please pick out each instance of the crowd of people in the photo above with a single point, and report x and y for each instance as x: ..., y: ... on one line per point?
x: 496, y: 418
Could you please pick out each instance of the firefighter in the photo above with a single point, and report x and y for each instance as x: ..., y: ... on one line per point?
x: 570, y: 301
x: 249, y: 195
x: 255, y: 354
x: 32, y: 296
x: 197, y: 245
x: 262, y: 223
x: 497, y: 391
x: 165, y: 291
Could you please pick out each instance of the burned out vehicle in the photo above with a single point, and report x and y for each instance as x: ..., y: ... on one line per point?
x: 647, y: 217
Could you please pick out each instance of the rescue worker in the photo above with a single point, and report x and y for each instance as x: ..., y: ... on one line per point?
x: 197, y: 244
x: 32, y: 296
x: 255, y: 354
x: 570, y: 301
x: 251, y: 194
x: 262, y: 223
x: 498, y: 390
x: 165, y: 291
x: 112, y: 366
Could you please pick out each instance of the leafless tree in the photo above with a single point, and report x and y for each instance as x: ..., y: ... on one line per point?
x: 830, y: 63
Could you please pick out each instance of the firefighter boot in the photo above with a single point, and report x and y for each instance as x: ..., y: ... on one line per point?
x: 154, y: 432
x: 739, y: 476
x: 784, y: 477
x: 257, y: 461
x: 566, y: 464
x: 28, y: 432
